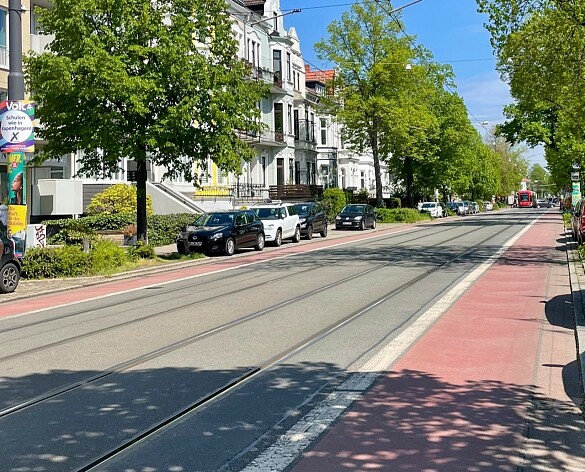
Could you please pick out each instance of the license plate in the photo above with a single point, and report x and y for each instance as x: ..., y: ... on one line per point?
x: 347, y: 222
x: 198, y: 243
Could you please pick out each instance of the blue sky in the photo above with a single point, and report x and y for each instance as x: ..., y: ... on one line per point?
x: 451, y: 29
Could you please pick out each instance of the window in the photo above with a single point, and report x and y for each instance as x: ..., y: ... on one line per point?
x: 275, y: 21
x: 290, y: 120
x: 277, y: 63
x: 288, y: 66
x: 323, y: 131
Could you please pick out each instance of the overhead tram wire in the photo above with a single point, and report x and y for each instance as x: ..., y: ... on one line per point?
x: 414, y: 46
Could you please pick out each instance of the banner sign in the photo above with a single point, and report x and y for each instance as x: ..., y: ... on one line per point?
x: 17, y: 132
x: 575, y: 192
x: 17, y: 200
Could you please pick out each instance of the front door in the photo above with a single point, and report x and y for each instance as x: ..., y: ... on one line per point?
x: 280, y: 171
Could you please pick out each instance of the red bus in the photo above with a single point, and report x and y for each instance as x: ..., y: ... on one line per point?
x: 526, y: 199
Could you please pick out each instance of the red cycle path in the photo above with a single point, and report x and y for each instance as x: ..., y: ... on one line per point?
x: 458, y: 400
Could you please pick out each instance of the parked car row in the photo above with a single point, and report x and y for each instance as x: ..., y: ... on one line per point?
x: 578, y: 222
x: 227, y: 231
x: 466, y: 207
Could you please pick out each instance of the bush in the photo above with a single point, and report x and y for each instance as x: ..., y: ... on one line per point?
x: 105, y: 256
x: 333, y: 202
x: 401, y: 215
x: 141, y: 251
x: 46, y: 263
x: 164, y: 229
x: 119, y: 198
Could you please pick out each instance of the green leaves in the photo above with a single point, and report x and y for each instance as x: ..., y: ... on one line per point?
x: 136, y: 77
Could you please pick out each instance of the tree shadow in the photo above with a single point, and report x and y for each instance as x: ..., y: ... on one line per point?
x: 408, y: 421
x: 413, y: 421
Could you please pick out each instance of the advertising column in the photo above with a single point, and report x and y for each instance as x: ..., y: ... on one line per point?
x: 17, y: 138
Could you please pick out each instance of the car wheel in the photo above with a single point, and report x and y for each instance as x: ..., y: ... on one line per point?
x: 374, y: 224
x: 259, y: 242
x: 230, y: 247
x: 309, y: 232
x: 9, y: 277
x: 278, y: 238
x: 297, y: 237
x: 324, y: 231
x: 362, y: 225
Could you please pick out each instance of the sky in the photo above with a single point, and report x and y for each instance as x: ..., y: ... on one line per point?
x: 451, y: 29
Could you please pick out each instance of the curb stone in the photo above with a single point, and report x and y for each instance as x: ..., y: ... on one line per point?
x: 577, y: 279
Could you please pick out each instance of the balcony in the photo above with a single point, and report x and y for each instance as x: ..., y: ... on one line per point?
x: 295, y: 192
x: 305, y: 133
x: 40, y: 43
x: 266, y: 137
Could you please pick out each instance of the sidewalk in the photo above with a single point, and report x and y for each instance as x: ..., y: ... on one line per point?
x: 494, y: 385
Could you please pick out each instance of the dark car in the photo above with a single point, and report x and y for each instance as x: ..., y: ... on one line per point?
x: 223, y: 232
x: 9, y: 264
x: 356, y: 216
x: 312, y: 219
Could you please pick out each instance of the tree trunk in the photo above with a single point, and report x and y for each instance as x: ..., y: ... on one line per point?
x: 377, y: 172
x: 141, y: 176
x: 409, y: 181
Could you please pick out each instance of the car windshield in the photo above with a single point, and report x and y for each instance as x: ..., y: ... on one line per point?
x: 215, y: 219
x: 303, y: 209
x: 268, y: 213
x: 428, y: 205
x: 353, y: 209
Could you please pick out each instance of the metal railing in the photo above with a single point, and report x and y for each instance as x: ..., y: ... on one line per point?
x: 305, y: 131
x: 242, y: 191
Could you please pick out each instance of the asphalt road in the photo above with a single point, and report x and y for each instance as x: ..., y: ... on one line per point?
x: 204, y: 372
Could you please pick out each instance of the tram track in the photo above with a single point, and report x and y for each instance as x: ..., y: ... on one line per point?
x: 169, y: 291
x: 209, y: 299
x: 229, y: 325
x: 273, y: 361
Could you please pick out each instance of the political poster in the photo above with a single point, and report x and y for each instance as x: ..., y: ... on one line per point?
x: 17, y: 118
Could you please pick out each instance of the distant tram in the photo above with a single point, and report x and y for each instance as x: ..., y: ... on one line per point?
x: 527, y: 199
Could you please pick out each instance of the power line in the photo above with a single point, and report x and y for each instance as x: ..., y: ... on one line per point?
x: 414, y: 46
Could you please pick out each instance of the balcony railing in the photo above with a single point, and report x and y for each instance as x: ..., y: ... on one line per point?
x: 243, y: 191
x: 295, y: 192
x: 265, y: 136
x: 305, y: 131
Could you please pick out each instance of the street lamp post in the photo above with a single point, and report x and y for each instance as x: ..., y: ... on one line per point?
x: 17, y: 209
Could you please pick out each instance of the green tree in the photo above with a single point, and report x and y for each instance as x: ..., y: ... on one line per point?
x: 371, y: 70
x: 146, y: 80
x: 540, y: 45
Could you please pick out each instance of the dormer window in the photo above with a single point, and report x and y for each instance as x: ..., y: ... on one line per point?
x: 275, y: 21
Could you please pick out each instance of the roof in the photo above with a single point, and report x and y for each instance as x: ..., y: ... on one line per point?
x: 249, y: 3
x: 322, y: 76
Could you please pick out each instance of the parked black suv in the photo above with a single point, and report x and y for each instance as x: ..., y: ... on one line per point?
x: 9, y: 264
x: 222, y: 231
x: 312, y: 219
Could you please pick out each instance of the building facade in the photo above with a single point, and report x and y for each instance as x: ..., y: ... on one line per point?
x: 300, y: 144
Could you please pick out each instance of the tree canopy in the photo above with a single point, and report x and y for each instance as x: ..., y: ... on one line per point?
x: 540, y: 45
x: 145, y: 80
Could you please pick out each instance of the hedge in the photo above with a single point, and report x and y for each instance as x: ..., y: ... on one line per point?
x: 162, y: 229
x: 401, y: 215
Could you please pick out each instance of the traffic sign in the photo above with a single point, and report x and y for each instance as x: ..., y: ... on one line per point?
x: 17, y: 126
